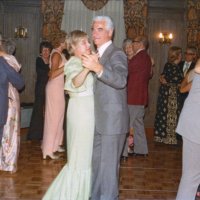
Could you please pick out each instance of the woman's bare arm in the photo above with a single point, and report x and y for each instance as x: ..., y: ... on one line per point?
x: 56, y: 70
x: 80, y: 78
x: 185, y: 85
x: 197, y: 67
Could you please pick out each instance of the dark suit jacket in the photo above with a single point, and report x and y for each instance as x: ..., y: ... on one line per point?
x: 183, y: 96
x: 181, y: 64
x: 139, y: 73
x: 7, y: 74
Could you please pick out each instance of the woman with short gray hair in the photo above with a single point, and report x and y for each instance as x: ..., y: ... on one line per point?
x: 10, y: 144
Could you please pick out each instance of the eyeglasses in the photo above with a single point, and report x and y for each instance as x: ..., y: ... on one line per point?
x: 135, y: 41
x: 190, y: 54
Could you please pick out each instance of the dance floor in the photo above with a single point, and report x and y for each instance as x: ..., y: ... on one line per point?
x: 154, y: 177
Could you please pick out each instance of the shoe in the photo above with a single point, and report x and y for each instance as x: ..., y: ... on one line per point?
x: 124, y: 158
x: 53, y: 157
x: 60, y: 149
x: 139, y: 155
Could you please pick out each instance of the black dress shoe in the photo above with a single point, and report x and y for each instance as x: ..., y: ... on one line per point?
x: 139, y: 155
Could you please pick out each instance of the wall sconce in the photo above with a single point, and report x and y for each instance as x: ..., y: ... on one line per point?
x: 21, y: 32
x: 165, y: 38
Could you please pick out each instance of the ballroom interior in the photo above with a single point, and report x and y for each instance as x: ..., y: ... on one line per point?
x: 31, y: 21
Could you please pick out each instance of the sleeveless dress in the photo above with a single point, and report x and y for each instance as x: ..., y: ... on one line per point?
x: 74, y: 180
x: 10, y: 146
x: 54, y: 112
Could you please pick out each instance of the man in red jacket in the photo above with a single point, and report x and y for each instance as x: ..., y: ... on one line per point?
x: 139, y: 73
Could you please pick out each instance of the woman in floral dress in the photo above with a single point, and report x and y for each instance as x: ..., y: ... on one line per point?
x: 10, y: 146
x: 168, y: 104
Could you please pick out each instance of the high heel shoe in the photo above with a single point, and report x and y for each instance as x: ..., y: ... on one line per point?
x: 60, y: 149
x: 53, y: 157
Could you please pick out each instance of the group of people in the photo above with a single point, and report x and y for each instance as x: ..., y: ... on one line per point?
x: 108, y: 93
x: 47, y: 117
x: 97, y: 116
x: 176, y: 81
x: 177, y: 114
x: 173, y: 91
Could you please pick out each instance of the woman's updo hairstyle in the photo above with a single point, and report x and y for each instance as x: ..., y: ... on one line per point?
x: 60, y: 38
x: 73, y: 39
x: 173, y: 54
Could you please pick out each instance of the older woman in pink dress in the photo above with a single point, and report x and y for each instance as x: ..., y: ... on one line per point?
x: 9, y: 149
x: 55, y: 102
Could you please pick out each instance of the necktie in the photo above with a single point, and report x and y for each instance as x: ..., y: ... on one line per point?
x: 186, y: 68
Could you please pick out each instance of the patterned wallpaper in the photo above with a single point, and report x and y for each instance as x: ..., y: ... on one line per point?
x: 193, y: 23
x: 135, y: 16
x: 52, y: 12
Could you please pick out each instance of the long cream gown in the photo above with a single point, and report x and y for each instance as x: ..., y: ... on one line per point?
x: 74, y: 180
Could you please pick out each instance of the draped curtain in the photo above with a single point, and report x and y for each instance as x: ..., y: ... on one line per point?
x: 193, y: 25
x: 78, y: 16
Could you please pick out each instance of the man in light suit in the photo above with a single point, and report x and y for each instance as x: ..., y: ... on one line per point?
x: 111, y: 111
x: 7, y: 75
x: 188, y: 127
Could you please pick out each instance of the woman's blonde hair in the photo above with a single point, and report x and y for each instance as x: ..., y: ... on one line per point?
x: 73, y: 39
x: 173, y: 54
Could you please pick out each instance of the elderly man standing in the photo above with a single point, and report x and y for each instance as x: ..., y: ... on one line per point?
x: 7, y: 75
x: 111, y: 111
x: 139, y: 73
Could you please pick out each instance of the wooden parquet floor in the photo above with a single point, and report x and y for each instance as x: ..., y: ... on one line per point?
x: 154, y: 177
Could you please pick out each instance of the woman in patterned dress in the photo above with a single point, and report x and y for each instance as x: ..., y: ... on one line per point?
x: 9, y: 149
x: 168, y: 104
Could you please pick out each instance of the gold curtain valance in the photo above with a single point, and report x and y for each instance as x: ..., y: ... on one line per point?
x: 135, y: 17
x: 193, y: 25
x: 94, y: 4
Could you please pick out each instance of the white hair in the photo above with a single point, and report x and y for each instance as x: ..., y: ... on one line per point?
x: 109, y: 21
x: 126, y: 42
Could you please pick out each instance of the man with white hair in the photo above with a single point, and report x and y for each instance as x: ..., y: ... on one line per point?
x: 111, y: 111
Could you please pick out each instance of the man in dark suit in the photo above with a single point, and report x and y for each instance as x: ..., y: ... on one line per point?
x: 7, y: 75
x: 139, y: 73
x: 190, y: 60
x: 187, y: 65
x: 111, y: 111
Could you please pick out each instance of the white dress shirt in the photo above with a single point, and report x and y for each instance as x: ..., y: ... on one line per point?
x: 101, y: 50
